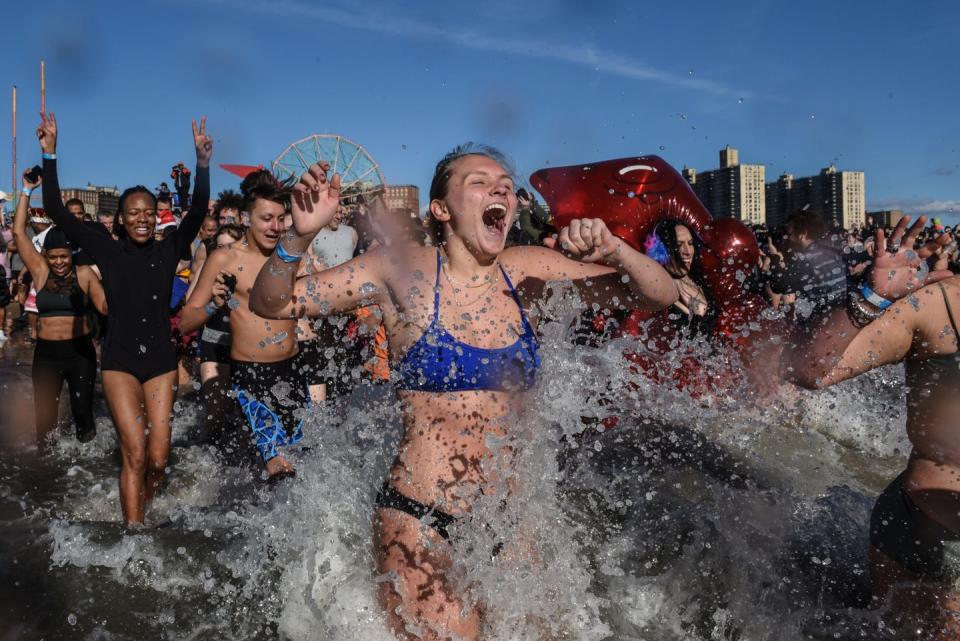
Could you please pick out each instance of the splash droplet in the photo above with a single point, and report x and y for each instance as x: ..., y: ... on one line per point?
x: 739, y: 101
x: 662, y: 147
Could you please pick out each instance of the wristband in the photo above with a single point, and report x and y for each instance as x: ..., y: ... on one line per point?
x: 47, y: 156
x: 874, y: 298
x: 286, y: 257
x: 26, y: 191
x: 210, y: 308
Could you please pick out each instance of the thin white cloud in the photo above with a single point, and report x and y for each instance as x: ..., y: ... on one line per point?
x: 918, y: 206
x: 583, y: 56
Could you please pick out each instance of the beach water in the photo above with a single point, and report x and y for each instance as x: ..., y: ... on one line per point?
x: 705, y: 519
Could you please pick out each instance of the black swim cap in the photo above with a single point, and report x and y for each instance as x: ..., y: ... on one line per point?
x: 56, y: 239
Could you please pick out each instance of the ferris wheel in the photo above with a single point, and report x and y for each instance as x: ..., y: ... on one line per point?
x: 359, y: 173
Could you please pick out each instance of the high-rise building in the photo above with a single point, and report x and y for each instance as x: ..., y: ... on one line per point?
x: 403, y: 198
x: 732, y: 191
x: 886, y: 217
x: 838, y: 196
x: 95, y: 199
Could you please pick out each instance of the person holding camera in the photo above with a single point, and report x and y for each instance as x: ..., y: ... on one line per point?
x: 64, y: 350
x: 263, y: 352
x: 139, y: 364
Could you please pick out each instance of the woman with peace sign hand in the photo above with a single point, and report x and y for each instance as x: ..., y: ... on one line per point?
x: 906, y: 313
x: 139, y: 361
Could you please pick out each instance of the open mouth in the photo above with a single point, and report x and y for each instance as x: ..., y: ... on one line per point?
x: 142, y: 230
x: 495, y: 218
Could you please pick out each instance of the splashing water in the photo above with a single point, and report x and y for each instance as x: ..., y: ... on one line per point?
x: 709, y: 519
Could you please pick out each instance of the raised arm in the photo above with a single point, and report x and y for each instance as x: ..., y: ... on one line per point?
x: 190, y: 225
x: 278, y: 293
x: 608, y: 272
x: 95, y: 243
x: 31, y: 258
x: 840, y: 345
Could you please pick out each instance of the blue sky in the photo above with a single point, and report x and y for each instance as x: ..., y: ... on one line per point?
x: 795, y: 86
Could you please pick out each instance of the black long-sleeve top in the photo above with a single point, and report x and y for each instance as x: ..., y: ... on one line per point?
x: 137, y: 279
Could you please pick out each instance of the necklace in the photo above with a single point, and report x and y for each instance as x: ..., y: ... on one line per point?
x: 457, y: 287
x: 486, y: 282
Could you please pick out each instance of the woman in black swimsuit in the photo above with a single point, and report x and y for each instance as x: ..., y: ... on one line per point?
x: 64, y: 349
x: 139, y: 358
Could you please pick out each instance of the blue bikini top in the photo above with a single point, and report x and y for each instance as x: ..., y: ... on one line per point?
x: 438, y: 362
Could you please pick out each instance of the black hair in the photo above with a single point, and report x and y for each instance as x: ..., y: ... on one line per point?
x: 441, y: 178
x: 809, y: 223
x: 227, y: 199
x: 73, y: 201
x: 263, y: 184
x: 118, y: 228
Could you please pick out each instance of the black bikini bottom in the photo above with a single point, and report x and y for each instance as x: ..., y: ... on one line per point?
x: 389, y: 497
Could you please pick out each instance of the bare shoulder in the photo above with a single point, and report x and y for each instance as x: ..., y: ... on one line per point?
x: 85, y: 273
x: 529, y: 259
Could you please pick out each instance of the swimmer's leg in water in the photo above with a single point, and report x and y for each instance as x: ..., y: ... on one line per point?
x: 134, y: 407
x: 416, y: 590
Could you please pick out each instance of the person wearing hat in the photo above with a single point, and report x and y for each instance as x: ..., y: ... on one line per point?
x: 64, y: 350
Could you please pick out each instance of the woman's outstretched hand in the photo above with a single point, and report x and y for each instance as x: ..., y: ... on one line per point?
x: 315, y: 200
x: 899, y: 269
x: 47, y: 133
x: 202, y: 142
x: 587, y: 240
x: 28, y: 184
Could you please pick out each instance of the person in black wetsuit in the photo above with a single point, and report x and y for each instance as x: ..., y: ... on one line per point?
x: 139, y: 362
x: 64, y: 350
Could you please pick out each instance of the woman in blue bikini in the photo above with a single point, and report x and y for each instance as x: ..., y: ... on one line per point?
x: 464, y: 348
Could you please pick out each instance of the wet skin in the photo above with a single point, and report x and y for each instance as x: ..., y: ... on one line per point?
x: 444, y: 458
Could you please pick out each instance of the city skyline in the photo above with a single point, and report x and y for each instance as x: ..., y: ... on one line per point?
x: 551, y: 83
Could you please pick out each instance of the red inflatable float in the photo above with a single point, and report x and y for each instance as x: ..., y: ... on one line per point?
x: 632, y: 195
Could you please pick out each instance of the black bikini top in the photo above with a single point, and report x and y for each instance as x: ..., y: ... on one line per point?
x: 61, y: 297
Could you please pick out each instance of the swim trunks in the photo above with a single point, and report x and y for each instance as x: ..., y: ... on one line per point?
x: 273, y: 397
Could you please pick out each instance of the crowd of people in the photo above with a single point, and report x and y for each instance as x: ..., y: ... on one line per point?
x: 280, y: 296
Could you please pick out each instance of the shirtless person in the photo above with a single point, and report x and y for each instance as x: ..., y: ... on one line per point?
x: 263, y: 352
x: 915, y: 525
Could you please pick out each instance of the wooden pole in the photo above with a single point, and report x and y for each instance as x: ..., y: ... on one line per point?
x: 43, y: 86
x: 13, y: 128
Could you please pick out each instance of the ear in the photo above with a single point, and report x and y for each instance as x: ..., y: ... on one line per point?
x: 438, y: 209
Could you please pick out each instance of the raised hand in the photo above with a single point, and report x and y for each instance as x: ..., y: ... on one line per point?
x: 202, y: 142
x: 899, y: 269
x: 27, y: 182
x: 315, y: 200
x: 587, y: 240
x: 47, y: 133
